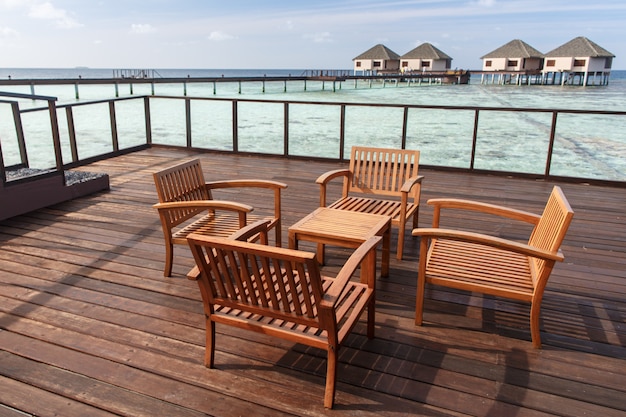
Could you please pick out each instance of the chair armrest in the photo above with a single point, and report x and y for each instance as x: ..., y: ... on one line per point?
x: 410, y: 183
x: 326, y: 177
x: 255, y: 183
x: 455, y: 203
x: 332, y: 294
x: 208, y: 204
x: 478, y: 238
x: 259, y: 227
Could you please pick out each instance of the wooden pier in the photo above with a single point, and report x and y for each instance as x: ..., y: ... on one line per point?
x: 335, y: 78
x: 544, y: 78
x: 90, y: 327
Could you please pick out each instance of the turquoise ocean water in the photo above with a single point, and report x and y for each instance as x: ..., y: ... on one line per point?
x: 587, y: 146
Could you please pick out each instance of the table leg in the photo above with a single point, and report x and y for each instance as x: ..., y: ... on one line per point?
x: 293, y: 241
x: 320, y: 253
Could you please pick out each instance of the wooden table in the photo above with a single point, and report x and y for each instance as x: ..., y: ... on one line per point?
x: 342, y: 228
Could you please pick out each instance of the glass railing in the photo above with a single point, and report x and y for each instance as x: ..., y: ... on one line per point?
x: 581, y: 145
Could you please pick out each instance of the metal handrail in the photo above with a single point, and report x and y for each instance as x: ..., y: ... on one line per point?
x: 19, y: 130
x: 149, y: 135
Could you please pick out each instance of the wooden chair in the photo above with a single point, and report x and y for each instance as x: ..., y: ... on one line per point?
x: 280, y: 292
x: 379, y: 181
x: 492, y: 265
x: 186, y: 205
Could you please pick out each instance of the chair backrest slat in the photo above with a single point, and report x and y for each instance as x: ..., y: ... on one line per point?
x: 259, y: 279
x: 550, y: 231
x: 183, y: 182
x: 381, y: 171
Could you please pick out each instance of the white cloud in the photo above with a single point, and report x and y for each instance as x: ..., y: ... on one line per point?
x: 9, y: 4
x: 48, y: 12
x: 6, y: 32
x: 486, y: 3
x: 218, y: 36
x: 319, y: 37
x: 142, y: 28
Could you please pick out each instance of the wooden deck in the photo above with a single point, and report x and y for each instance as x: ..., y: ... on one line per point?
x: 90, y: 327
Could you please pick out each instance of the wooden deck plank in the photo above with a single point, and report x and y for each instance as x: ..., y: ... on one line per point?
x: 88, y: 322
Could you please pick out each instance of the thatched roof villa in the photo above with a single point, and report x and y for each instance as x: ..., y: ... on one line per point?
x: 425, y: 57
x: 579, y: 61
x: 516, y: 55
x: 377, y: 59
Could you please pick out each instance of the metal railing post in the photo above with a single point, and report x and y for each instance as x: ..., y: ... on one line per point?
x: 474, y: 140
x: 3, y: 174
x: 551, y: 144
x: 286, y: 129
x: 56, y: 137
x: 342, y: 132
x: 188, y: 121
x: 113, y: 120
x: 71, y: 129
x: 146, y: 112
x: 19, y: 131
x: 235, y: 128
x: 405, y: 119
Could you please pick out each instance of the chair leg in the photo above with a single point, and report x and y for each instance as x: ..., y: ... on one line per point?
x: 371, y: 319
x: 169, y: 258
x: 419, y: 303
x: 331, y: 376
x: 400, y: 241
x: 209, y: 353
x: 535, y: 334
x: 421, y: 283
x: 279, y: 241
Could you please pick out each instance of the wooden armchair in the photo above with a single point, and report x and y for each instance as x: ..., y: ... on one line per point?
x: 492, y: 265
x: 186, y: 205
x: 280, y: 292
x: 379, y: 181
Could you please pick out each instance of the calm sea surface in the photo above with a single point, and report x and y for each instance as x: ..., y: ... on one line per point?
x: 587, y: 146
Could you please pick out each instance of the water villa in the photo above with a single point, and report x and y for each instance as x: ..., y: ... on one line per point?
x: 425, y: 57
x: 377, y: 59
x: 578, y: 62
x: 423, y: 64
x: 515, y: 60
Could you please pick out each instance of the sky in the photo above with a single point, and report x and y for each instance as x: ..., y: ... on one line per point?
x: 289, y: 34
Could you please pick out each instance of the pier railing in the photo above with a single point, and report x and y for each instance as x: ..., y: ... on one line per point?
x: 20, y: 155
x: 503, y: 141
